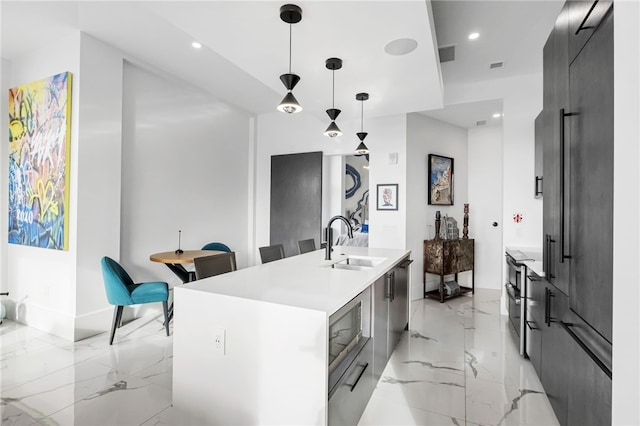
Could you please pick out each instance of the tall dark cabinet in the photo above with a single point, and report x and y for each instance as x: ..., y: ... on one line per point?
x: 575, y: 332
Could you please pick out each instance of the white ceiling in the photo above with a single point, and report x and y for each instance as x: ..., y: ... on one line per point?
x: 513, y: 32
x: 246, y: 46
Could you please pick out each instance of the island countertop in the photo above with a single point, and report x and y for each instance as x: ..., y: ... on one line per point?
x: 252, y: 346
x: 304, y: 281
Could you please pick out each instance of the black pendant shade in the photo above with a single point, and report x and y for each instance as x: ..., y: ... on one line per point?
x: 333, y: 130
x: 362, y: 148
x: 333, y: 113
x: 290, y: 14
x: 289, y: 80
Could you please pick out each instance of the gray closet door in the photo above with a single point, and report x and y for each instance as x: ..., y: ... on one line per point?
x: 296, y: 199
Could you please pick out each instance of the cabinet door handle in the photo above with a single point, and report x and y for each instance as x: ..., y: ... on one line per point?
x: 388, y: 289
x: 406, y: 263
x: 585, y: 348
x: 563, y: 115
x: 547, y: 305
x: 529, y: 325
x: 393, y: 285
x: 538, y: 190
x: 584, y: 21
x: 547, y: 259
x: 364, y: 367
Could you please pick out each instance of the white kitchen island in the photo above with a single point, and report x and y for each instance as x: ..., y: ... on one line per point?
x: 251, y: 347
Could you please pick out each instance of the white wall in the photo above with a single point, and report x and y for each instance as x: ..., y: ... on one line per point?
x: 522, y: 101
x: 185, y: 161
x: 485, y: 204
x: 426, y: 136
x: 279, y: 133
x: 97, y: 205
x: 5, y: 73
x: 626, y: 211
x: 42, y: 282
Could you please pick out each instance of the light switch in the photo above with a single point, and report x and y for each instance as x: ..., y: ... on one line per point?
x: 393, y: 158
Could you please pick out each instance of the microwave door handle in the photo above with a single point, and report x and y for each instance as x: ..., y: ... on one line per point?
x: 364, y: 367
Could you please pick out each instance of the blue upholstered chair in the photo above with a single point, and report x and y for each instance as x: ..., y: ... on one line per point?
x: 122, y: 291
x: 217, y: 246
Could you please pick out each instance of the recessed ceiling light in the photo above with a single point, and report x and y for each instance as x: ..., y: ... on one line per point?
x: 196, y: 45
x: 401, y: 46
x: 497, y: 115
x: 474, y: 36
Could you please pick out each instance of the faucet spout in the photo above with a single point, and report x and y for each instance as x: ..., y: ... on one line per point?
x: 328, y: 249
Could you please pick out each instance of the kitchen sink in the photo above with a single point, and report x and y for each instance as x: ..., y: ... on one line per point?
x: 347, y: 266
x: 358, y: 263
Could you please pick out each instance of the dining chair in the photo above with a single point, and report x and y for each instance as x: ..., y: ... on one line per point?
x: 271, y: 253
x: 209, y: 266
x: 306, y: 246
x: 217, y: 246
x: 122, y: 291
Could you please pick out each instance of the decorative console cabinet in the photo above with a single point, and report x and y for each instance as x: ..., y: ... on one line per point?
x: 446, y: 257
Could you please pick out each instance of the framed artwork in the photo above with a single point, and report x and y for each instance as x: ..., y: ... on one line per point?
x: 440, y: 180
x: 39, y: 141
x: 387, y: 196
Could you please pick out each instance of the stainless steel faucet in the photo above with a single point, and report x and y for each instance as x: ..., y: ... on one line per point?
x: 327, y: 231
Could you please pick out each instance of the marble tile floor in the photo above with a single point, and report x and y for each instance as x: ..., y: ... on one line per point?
x: 458, y: 365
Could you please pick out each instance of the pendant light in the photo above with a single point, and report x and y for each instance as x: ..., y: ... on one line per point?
x: 362, y: 148
x: 333, y: 130
x: 290, y: 14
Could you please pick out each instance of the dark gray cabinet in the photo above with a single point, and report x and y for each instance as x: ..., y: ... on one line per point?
x: 572, y: 344
x: 391, y: 313
x: 555, y: 170
x: 589, y: 384
x: 534, y: 321
x: 353, y: 390
x: 547, y: 342
x: 584, y: 18
x: 591, y: 205
x: 380, y: 326
x: 555, y: 352
x: 398, y: 304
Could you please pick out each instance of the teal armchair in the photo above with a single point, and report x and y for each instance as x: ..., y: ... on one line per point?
x: 122, y: 291
x: 217, y: 246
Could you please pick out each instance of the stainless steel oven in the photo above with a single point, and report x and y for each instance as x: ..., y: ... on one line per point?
x: 351, y: 380
x: 516, y: 293
x: 349, y: 332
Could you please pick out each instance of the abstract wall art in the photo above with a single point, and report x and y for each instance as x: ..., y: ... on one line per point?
x: 440, y: 180
x: 356, y: 195
x: 39, y: 149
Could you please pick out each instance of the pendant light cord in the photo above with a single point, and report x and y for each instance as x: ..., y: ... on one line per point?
x: 290, y: 26
x: 333, y: 90
x: 361, y: 114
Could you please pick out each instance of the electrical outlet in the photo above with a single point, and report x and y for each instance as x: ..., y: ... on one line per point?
x: 393, y: 158
x: 219, y: 340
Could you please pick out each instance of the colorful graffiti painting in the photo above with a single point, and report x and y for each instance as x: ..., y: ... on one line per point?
x: 39, y: 140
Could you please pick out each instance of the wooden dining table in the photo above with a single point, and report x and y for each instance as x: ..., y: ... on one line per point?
x: 176, y: 261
